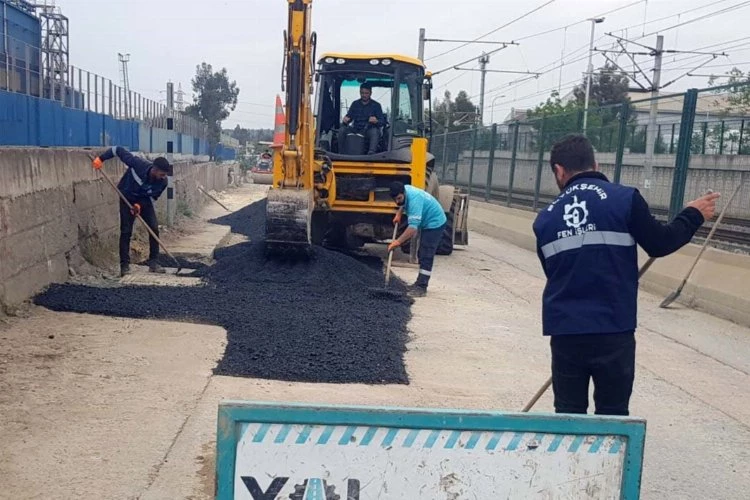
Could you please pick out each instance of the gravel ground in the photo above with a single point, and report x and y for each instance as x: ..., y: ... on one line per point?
x: 309, y: 321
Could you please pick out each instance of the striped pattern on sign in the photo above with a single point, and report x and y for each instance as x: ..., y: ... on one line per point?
x: 388, y: 437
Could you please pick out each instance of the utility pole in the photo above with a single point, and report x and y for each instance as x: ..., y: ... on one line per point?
x: 653, y: 86
x: 445, y: 134
x: 648, y: 165
x: 483, y: 61
x: 420, y: 51
x: 594, y: 22
x: 180, y: 98
x: 124, y: 59
x: 171, y: 205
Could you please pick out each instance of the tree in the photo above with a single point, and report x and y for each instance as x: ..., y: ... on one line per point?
x: 215, y: 97
x: 250, y: 135
x: 560, y: 118
x: 609, y: 85
x: 461, y: 109
x: 609, y: 89
x: 241, y: 134
x: 737, y: 94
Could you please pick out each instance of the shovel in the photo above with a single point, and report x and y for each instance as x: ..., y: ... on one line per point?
x: 150, y: 231
x: 673, y: 296
x: 200, y: 188
x: 387, y: 292
x: 548, y: 383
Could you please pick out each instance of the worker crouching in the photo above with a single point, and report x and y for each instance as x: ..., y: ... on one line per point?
x: 141, y: 185
x: 425, y: 216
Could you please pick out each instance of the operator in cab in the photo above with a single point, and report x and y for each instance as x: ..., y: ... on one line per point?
x: 365, y: 117
x: 425, y: 214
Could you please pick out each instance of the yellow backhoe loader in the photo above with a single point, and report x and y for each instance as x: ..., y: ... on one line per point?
x: 329, y: 187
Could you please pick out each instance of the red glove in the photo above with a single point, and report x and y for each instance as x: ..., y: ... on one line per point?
x: 394, y: 245
x: 136, y: 210
x: 97, y: 163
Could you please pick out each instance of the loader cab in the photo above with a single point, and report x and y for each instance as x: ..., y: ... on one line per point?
x: 399, y: 85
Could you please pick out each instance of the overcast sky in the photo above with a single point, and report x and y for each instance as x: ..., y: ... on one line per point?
x: 167, y: 38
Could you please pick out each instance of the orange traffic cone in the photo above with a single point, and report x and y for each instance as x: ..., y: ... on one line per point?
x: 279, y: 133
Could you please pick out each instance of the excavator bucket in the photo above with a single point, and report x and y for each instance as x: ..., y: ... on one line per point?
x: 288, y: 213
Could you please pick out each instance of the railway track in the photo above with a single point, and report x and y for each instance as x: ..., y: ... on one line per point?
x: 734, y: 232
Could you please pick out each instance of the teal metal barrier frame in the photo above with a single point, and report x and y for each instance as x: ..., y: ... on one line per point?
x: 233, y: 415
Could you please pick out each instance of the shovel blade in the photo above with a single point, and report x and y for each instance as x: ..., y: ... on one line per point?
x: 672, y: 297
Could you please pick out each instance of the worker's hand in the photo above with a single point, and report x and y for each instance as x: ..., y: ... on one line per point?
x: 706, y: 205
x: 346, y: 120
x: 397, y: 218
x: 97, y: 163
x: 394, y: 245
x: 373, y: 120
x: 136, y: 211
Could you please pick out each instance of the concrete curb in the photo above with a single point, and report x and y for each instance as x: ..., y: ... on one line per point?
x: 718, y: 286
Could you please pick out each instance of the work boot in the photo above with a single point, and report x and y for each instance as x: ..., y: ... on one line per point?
x: 124, y: 270
x: 155, y: 267
x: 416, y: 291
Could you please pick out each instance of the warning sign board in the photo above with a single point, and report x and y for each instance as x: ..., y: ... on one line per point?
x: 298, y: 452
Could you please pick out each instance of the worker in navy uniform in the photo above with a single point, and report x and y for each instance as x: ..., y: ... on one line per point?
x: 365, y: 116
x: 586, y: 241
x: 141, y: 185
x: 424, y: 216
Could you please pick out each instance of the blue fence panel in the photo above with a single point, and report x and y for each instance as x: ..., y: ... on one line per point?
x: 13, y: 119
x: 30, y: 121
x: 121, y: 133
x: 51, y: 123
x: 75, y: 128
x: 225, y: 153
x: 94, y: 129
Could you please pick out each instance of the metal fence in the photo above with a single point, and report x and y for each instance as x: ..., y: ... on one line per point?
x: 22, y: 72
x: 673, y: 148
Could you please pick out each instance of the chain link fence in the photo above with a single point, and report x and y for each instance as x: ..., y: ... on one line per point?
x: 673, y: 149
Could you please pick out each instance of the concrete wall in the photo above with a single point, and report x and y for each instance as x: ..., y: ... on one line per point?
x: 719, y: 284
x: 55, y: 211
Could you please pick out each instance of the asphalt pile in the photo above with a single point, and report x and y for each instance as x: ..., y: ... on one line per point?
x: 307, y: 321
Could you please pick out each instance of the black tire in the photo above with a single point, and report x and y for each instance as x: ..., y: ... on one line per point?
x: 318, y: 227
x: 446, y: 243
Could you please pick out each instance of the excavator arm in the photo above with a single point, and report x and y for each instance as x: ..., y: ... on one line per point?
x: 291, y: 197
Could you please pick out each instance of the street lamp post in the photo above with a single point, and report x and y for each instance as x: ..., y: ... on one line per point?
x: 594, y: 22
x: 492, y: 108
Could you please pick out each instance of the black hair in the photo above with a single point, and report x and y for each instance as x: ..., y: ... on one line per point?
x: 574, y: 153
x: 366, y: 85
x: 162, y: 164
x: 397, y: 188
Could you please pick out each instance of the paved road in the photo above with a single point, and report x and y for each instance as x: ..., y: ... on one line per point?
x: 116, y: 408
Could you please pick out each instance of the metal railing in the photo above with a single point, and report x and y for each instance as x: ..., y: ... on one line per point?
x: 22, y: 72
x: 698, y: 140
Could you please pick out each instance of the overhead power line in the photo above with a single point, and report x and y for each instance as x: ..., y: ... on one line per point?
x: 561, y: 28
x: 670, y: 16
x: 696, y: 19
x: 493, y: 31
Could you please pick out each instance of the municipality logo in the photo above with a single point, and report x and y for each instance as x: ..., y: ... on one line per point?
x: 576, y: 214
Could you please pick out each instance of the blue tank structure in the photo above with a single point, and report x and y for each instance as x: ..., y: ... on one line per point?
x: 20, y: 47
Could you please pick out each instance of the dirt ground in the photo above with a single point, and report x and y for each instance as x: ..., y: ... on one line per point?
x: 98, y: 407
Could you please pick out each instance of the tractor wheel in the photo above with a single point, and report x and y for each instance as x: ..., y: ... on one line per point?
x: 446, y: 243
